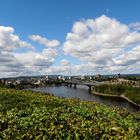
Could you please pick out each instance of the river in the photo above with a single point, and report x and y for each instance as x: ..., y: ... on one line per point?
x: 82, y: 93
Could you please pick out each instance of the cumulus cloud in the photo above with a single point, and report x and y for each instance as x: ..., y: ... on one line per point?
x: 66, y: 68
x: 129, y: 57
x: 36, y: 59
x: 135, y: 26
x: 13, y: 63
x: 27, y: 63
x: 44, y: 41
x: 102, y: 45
x: 65, y: 62
x: 10, y: 41
x: 101, y: 42
x: 63, y: 68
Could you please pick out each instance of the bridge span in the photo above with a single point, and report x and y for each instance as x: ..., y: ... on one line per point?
x: 75, y: 82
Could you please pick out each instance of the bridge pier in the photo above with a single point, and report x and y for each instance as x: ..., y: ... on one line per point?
x: 70, y: 85
x: 90, y: 88
x: 74, y: 85
x: 66, y: 84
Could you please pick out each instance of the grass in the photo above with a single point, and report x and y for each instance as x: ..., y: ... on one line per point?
x: 27, y: 115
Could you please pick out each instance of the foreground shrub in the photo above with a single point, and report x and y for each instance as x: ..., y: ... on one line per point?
x: 27, y: 115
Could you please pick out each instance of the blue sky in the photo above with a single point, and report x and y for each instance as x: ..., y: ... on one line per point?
x: 53, y: 20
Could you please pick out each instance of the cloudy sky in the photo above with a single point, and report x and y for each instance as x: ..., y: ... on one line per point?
x: 69, y: 37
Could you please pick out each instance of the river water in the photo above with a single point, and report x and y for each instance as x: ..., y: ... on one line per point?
x: 82, y: 93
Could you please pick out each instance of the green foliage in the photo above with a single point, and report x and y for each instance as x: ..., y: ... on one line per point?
x: 27, y: 115
x: 54, y: 82
x: 114, y: 89
x: 132, y: 93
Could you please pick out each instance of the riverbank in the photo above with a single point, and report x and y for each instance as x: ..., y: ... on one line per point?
x: 129, y: 93
x: 30, y: 115
x: 117, y: 96
x: 126, y: 98
x: 83, y: 94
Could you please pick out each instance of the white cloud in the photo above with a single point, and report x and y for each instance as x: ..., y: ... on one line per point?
x: 129, y: 57
x: 44, y: 41
x: 135, y: 26
x: 100, y: 42
x: 10, y: 41
x: 36, y: 59
x: 65, y: 62
x: 66, y: 68
x: 27, y: 63
x: 63, y: 68
x: 13, y: 63
x: 103, y: 45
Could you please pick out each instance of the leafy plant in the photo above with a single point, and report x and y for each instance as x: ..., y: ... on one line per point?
x: 28, y: 115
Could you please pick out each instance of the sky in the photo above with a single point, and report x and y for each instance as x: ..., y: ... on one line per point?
x: 69, y: 37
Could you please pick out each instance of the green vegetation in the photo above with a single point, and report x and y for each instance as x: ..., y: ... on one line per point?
x: 133, y: 93
x: 55, y: 82
x: 134, y: 78
x: 27, y: 115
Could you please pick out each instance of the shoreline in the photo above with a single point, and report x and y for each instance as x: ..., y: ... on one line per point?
x: 107, y: 95
x: 117, y: 96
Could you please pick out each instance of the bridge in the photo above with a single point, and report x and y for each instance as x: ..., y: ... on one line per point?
x: 75, y: 82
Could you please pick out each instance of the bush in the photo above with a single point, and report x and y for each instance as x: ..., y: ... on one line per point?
x: 27, y: 115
